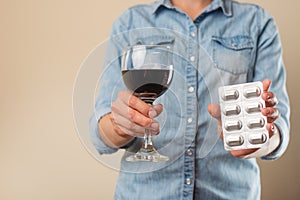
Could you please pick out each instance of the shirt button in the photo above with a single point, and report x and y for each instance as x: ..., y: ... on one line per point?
x: 192, y: 58
x: 188, y: 181
x: 189, y: 152
x: 190, y: 120
x: 191, y: 89
x: 193, y: 34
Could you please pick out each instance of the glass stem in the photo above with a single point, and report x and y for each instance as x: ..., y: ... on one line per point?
x: 147, y: 146
x: 147, y: 139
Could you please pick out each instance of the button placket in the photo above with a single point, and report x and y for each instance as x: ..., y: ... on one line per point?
x: 191, y: 115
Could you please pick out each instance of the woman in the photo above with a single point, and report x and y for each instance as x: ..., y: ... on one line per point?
x: 219, y: 42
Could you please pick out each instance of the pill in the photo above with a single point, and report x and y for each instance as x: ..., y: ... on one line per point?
x: 234, y: 140
x: 230, y: 95
x: 232, y: 110
x: 256, y: 123
x: 253, y: 107
x: 233, y: 125
x: 252, y: 92
x: 257, y: 138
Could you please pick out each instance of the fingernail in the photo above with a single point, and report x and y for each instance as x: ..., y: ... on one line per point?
x: 272, y: 100
x: 154, y: 126
x: 273, y: 128
x: 154, y: 132
x: 266, y: 96
x: 275, y: 114
x: 152, y: 113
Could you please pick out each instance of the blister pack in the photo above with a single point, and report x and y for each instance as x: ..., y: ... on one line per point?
x: 243, y: 124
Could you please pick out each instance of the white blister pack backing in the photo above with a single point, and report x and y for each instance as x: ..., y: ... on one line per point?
x: 243, y: 124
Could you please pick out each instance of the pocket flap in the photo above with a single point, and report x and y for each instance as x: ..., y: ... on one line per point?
x: 155, y: 40
x: 236, y: 43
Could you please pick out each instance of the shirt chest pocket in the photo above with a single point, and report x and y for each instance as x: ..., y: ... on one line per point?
x: 232, y: 54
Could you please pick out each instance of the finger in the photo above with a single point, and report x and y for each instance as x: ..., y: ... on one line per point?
x: 137, y: 134
x: 272, y: 102
x: 215, y: 111
x: 154, y: 126
x: 271, y: 129
x: 121, y: 130
x: 266, y: 84
x: 155, y: 110
x: 270, y: 99
x: 134, y: 102
x: 220, y: 131
x: 124, y: 126
x: 271, y: 113
x: 124, y: 131
x: 242, y: 153
x: 125, y: 123
x: 129, y: 125
x: 120, y: 108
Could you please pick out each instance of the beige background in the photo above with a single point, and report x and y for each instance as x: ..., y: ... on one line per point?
x: 42, y: 45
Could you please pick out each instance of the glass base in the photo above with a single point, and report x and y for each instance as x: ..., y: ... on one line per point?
x: 148, y: 154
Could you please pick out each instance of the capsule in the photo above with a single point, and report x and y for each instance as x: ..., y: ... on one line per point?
x: 230, y: 95
x: 256, y: 123
x: 252, y: 92
x: 232, y: 110
x: 234, y: 140
x: 233, y: 125
x: 254, y: 107
x: 257, y: 138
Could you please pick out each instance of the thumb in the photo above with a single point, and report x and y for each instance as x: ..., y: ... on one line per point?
x: 215, y: 111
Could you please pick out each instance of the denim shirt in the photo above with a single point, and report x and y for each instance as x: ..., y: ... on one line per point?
x: 228, y: 43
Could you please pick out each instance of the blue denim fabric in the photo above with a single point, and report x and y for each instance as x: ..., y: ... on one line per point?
x: 229, y: 43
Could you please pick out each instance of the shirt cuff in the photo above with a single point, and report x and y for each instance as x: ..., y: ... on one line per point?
x: 283, y: 131
x: 101, y: 147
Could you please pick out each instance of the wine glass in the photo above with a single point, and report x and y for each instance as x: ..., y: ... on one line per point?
x: 147, y: 71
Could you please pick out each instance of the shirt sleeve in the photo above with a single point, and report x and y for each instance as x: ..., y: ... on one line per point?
x: 269, y: 64
x: 110, y: 83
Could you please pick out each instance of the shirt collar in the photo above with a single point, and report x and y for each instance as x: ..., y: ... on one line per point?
x: 225, y: 5
x: 162, y: 3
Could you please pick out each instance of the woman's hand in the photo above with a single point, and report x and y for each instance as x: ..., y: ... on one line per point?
x: 270, y: 112
x: 128, y: 119
x: 131, y: 116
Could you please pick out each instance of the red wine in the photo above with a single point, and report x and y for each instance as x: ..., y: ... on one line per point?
x: 147, y: 84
